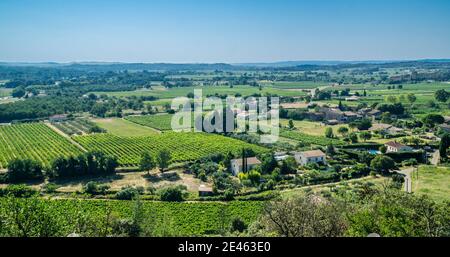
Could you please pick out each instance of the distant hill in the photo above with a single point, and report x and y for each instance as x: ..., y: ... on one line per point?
x: 284, y: 65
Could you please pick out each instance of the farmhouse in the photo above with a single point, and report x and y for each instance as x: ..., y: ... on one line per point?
x: 395, y: 147
x: 237, y: 166
x: 386, y: 129
x: 314, y: 156
x: 336, y: 114
x: 204, y: 190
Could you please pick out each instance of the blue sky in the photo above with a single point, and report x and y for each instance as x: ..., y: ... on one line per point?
x: 223, y: 30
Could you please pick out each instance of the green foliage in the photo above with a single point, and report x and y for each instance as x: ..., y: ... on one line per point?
x: 382, y: 164
x: 95, y: 188
x: 329, y: 132
x: 90, y: 163
x: 147, y: 162
x: 288, y: 166
x: 26, y: 141
x: 309, y: 139
x: 238, y: 225
x: 24, y: 170
x: 432, y: 119
x: 94, y: 217
x: 17, y: 191
x: 129, y: 193
x: 160, y: 122
x: 444, y: 145
x: 442, y: 95
x: 163, y: 159
x: 183, y: 146
x: 173, y: 194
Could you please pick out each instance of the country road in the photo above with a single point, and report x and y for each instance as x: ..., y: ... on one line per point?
x: 436, y: 158
x: 408, y: 182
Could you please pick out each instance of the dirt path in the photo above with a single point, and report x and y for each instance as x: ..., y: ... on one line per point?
x: 408, y: 181
x: 65, y: 135
x: 436, y: 158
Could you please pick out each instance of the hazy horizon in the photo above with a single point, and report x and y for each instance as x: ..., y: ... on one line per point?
x: 200, y: 31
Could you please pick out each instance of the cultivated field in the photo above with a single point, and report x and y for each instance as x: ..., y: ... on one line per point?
x: 159, y: 122
x: 183, y: 146
x: 169, y: 218
x: 124, y: 128
x: 207, y: 90
x: 34, y: 141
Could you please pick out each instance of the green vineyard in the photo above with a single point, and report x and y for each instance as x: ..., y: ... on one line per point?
x: 34, y: 141
x: 183, y: 146
x: 184, y: 219
x: 160, y: 122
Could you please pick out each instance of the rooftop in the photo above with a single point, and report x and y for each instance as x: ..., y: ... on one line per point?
x: 394, y: 144
x: 250, y: 161
x: 312, y: 153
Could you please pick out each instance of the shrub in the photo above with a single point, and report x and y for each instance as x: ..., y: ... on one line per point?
x: 94, y: 188
x: 228, y: 195
x: 238, y: 225
x: 23, y: 170
x: 128, y: 193
x: 50, y: 188
x: 17, y: 191
x: 172, y: 194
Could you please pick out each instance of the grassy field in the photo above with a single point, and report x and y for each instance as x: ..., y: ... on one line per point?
x: 297, y: 85
x: 5, y: 92
x: 311, y: 127
x: 124, y: 128
x: 163, y: 93
x: 432, y: 181
x: 307, y: 139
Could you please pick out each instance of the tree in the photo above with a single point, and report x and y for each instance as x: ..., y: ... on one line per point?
x: 329, y: 132
x: 363, y: 124
x: 164, y: 157
x: 289, y: 166
x: 432, y: 119
x: 365, y: 136
x: 343, y: 131
x: 238, y: 225
x: 382, y: 164
x: 291, y: 124
x: 386, y: 117
x: 173, y: 194
x: 382, y: 149
x: 268, y: 164
x: 391, y: 99
x: 304, y: 216
x: 99, y: 109
x: 22, y: 170
x: 444, y: 145
x: 254, y: 176
x: 147, y: 163
x: 353, y: 137
x: 18, y: 92
x: 411, y: 98
x: 442, y: 95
